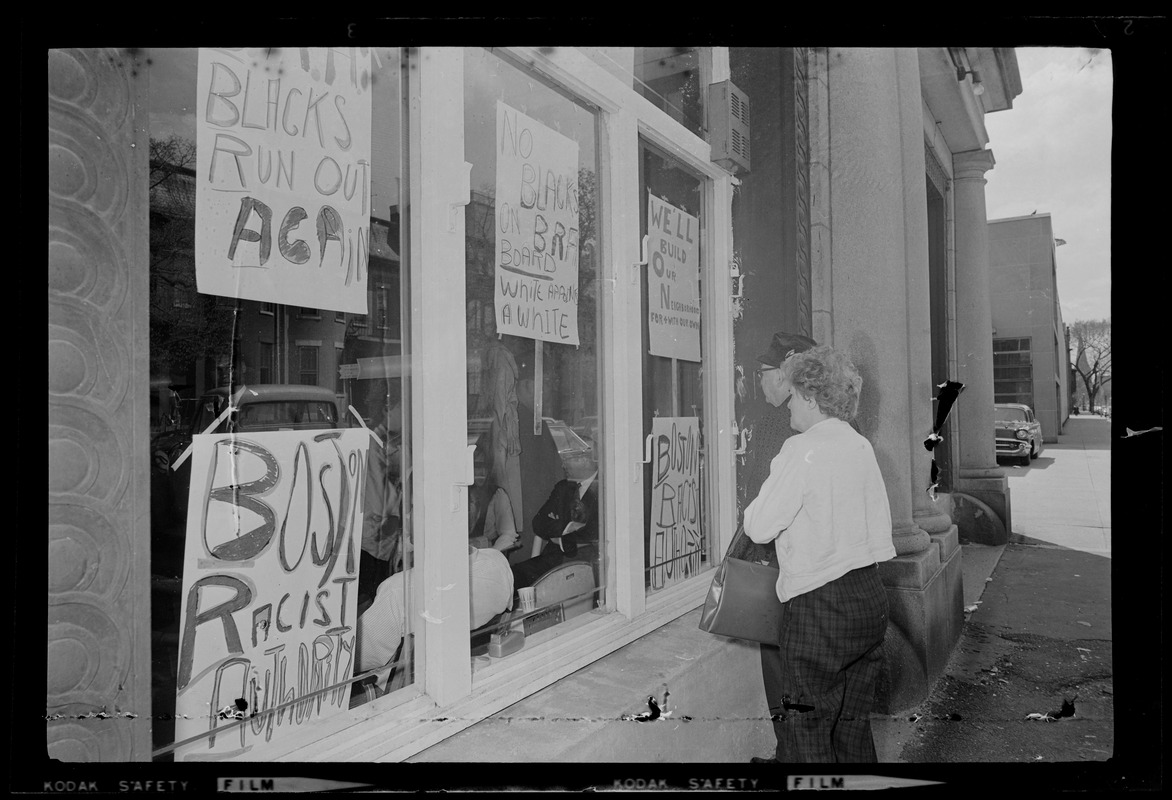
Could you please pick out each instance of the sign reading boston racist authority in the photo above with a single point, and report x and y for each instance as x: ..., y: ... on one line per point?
x: 536, y: 294
x: 269, y: 585
x: 283, y: 175
x: 673, y: 281
x: 675, y: 535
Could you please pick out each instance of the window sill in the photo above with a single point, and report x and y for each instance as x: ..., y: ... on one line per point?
x: 392, y: 729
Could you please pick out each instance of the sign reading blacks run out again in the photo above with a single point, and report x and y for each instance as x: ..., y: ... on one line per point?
x: 673, y: 281
x: 536, y: 286
x: 269, y: 586
x: 283, y: 175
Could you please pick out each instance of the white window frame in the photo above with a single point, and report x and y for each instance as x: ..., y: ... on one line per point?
x: 446, y: 697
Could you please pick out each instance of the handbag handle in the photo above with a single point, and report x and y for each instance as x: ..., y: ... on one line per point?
x: 738, y: 537
x: 745, y: 549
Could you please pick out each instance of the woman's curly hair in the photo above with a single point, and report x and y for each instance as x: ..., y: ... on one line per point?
x: 828, y: 376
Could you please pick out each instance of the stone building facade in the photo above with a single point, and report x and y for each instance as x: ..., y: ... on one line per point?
x: 859, y: 221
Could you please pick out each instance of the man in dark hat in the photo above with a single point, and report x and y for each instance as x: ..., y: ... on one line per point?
x: 782, y: 346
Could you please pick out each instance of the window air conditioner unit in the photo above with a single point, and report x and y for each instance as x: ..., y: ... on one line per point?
x: 728, y: 115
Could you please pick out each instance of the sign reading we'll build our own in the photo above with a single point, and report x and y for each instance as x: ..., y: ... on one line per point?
x: 283, y: 175
x: 673, y: 281
x: 270, y: 574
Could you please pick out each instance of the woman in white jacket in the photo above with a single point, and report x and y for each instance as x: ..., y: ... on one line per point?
x: 825, y: 508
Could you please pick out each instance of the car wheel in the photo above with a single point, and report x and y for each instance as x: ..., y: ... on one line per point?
x: 1033, y: 452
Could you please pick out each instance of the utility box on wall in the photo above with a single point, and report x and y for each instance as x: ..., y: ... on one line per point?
x: 728, y: 124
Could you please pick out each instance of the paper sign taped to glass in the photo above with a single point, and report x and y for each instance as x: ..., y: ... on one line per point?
x: 676, y: 533
x: 283, y: 177
x: 536, y: 288
x: 270, y: 574
x: 673, y: 281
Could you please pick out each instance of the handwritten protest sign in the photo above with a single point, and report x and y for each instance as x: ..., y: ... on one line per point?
x: 283, y: 175
x: 269, y: 584
x: 536, y: 294
x: 673, y: 281
x: 675, y: 535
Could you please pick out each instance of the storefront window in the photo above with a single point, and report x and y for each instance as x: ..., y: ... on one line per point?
x: 536, y: 547
x: 670, y: 78
x: 281, y: 529
x: 677, y: 542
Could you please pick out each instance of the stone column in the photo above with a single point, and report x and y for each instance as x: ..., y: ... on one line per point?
x: 978, y: 474
x: 879, y: 312
x: 876, y: 204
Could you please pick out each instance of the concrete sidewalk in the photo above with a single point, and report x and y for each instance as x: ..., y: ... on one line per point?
x: 1037, y: 633
x: 1037, y: 638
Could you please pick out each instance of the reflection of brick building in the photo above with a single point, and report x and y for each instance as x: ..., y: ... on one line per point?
x: 213, y: 341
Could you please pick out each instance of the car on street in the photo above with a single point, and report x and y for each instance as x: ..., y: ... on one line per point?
x: 1018, y: 433
x: 260, y: 407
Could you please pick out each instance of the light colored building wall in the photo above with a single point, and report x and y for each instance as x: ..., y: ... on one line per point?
x: 1024, y: 295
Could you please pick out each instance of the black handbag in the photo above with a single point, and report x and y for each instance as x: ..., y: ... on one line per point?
x: 742, y: 601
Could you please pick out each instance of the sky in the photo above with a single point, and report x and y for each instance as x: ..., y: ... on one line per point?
x: 1053, y: 155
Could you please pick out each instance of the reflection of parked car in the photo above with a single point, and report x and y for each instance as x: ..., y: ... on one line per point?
x: 263, y: 407
x: 1019, y: 434
x: 577, y: 455
x: 587, y: 428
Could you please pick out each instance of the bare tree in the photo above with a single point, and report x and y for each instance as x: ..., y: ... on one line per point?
x: 1091, y: 342
x: 171, y: 156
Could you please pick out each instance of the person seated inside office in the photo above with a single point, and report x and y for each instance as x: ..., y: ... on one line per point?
x: 567, y: 527
x: 491, y: 532
x: 490, y: 517
x: 382, y: 527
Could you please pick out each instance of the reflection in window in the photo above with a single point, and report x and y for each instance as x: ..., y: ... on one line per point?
x: 265, y: 367
x: 670, y: 78
x: 205, y: 348
x: 308, y: 370
x: 535, y: 544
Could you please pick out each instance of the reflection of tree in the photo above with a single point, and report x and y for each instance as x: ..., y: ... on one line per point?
x: 1091, y: 340
x: 582, y: 364
x: 169, y: 157
x: 185, y: 327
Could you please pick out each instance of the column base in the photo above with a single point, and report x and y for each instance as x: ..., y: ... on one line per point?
x: 909, y: 539
x: 926, y: 599
x: 936, y: 518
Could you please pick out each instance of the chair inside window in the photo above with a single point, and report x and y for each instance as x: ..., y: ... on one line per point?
x: 562, y: 593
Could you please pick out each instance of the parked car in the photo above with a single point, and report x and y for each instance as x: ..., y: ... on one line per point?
x: 261, y: 407
x: 1018, y: 434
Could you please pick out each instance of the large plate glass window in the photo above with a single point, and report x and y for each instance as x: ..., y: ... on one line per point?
x: 670, y: 77
x: 536, y: 546
x: 277, y: 323
x: 677, y: 539
x: 1013, y: 371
